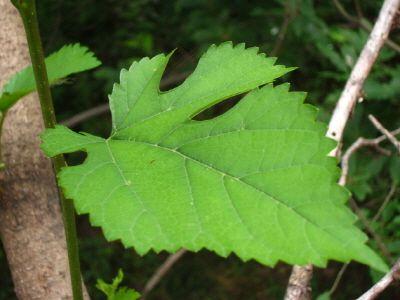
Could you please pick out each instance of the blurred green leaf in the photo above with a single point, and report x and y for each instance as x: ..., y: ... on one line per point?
x: 362, y: 170
x: 324, y: 296
x: 68, y: 60
x: 394, y: 169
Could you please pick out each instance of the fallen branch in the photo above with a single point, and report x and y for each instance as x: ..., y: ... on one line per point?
x: 381, y: 285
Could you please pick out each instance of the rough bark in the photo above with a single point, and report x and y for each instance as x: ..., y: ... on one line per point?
x: 299, y: 283
x: 31, y: 225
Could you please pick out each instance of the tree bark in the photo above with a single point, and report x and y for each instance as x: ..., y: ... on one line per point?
x: 31, y: 225
x: 299, y: 283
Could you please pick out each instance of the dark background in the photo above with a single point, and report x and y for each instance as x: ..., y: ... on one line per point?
x: 315, y: 36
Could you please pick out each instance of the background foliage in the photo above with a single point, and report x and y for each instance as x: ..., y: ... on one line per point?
x: 315, y: 36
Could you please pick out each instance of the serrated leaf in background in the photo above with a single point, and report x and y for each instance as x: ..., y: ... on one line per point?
x: 68, y: 60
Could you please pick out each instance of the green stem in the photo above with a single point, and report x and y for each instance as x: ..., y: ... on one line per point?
x: 27, y: 10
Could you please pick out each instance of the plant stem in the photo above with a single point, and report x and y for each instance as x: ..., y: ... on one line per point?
x: 27, y: 10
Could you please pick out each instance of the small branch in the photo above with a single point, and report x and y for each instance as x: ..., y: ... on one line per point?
x: 288, y: 16
x: 161, y: 271
x: 375, y: 236
x: 386, y: 132
x: 352, y: 90
x: 338, y: 278
x: 347, y: 101
x: 380, y: 244
x: 344, y: 12
x: 381, y: 285
x: 349, y: 98
x: 299, y: 283
x: 359, y: 11
x: 364, y: 24
x: 358, y: 144
x: 86, y: 115
x: 388, y: 197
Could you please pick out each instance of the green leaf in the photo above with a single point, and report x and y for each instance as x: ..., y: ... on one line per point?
x: 324, y: 296
x: 114, y: 292
x: 394, y: 169
x: 68, y: 60
x: 255, y: 181
x: 362, y: 170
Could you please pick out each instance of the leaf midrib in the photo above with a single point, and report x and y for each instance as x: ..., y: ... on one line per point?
x: 280, y: 202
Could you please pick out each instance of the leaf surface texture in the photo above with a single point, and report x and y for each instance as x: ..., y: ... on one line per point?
x: 255, y: 181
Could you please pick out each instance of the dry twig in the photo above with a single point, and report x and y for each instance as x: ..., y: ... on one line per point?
x: 381, y: 285
x: 86, y: 115
x: 338, y: 278
x: 368, y: 227
x: 385, y: 202
x: 364, y: 24
x: 385, y: 132
x: 375, y: 236
x: 346, y: 103
x: 290, y: 12
x: 358, y: 144
x: 161, y: 271
x: 352, y: 90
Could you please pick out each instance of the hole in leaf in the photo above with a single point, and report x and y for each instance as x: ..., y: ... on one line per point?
x: 75, y: 158
x: 218, y: 109
x: 179, y: 67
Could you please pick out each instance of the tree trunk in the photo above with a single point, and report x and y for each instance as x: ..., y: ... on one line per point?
x: 31, y: 225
